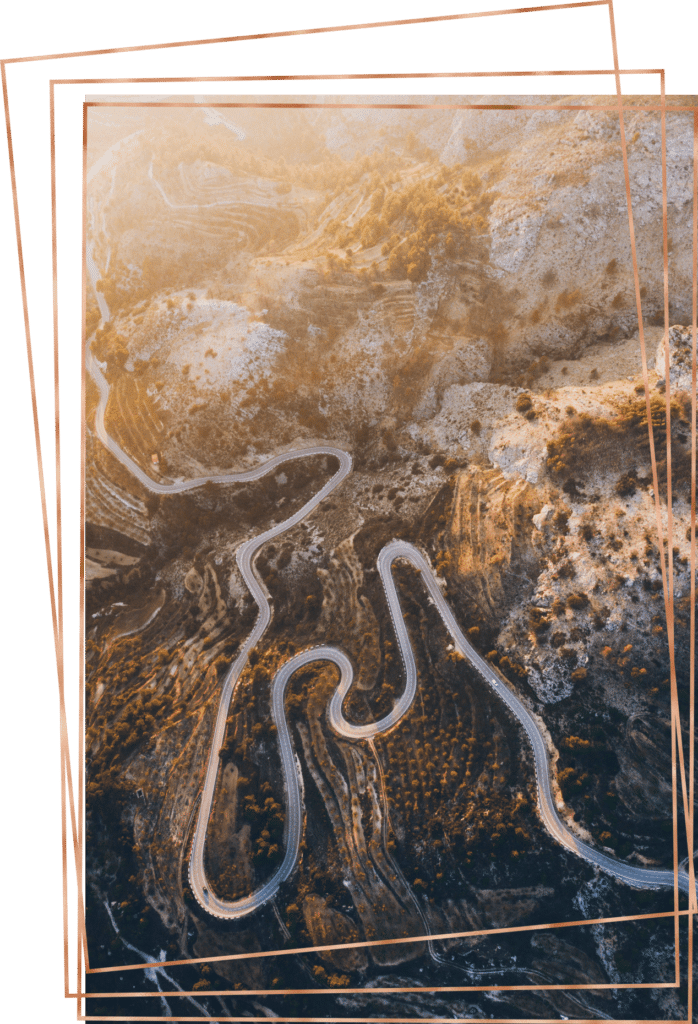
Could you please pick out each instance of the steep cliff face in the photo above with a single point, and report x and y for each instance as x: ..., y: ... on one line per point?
x: 491, y: 537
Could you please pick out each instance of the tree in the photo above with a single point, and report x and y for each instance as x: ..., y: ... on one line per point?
x: 370, y: 231
x: 377, y: 200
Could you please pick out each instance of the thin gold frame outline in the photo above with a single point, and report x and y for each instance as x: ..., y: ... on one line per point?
x: 68, y: 798
x: 295, y: 105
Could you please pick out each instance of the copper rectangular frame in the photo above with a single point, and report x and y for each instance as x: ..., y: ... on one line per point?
x: 111, y: 101
x: 460, y: 988
x: 139, y: 103
x: 55, y: 598
x: 655, y: 470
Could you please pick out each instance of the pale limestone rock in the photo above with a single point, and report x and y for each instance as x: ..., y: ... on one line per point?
x: 680, y: 357
x: 542, y: 516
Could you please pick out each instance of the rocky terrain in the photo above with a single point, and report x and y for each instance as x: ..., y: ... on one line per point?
x: 405, y: 288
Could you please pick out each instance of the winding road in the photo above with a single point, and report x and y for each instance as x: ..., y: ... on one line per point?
x: 637, y: 877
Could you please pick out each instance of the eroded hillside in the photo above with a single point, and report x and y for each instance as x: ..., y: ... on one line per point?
x: 419, y: 304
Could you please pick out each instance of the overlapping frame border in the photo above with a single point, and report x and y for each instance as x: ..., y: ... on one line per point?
x: 68, y: 800
x: 132, y: 102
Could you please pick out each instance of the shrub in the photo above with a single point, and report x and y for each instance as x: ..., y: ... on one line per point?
x: 576, y: 742
x: 587, y: 531
x: 339, y: 980
x: 584, y: 441
x: 560, y: 520
x: 538, y: 620
x: 627, y: 485
x: 571, y: 487
x: 523, y: 403
x: 577, y: 601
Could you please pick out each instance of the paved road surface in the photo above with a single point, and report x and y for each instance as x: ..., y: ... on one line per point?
x: 636, y: 876
x: 245, y: 558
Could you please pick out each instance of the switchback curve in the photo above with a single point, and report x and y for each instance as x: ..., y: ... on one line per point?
x: 634, y: 876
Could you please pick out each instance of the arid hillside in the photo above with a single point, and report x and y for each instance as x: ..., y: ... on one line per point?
x: 254, y: 281
x: 447, y: 296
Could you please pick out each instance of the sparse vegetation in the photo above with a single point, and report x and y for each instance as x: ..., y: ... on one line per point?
x: 361, y: 292
x: 584, y: 442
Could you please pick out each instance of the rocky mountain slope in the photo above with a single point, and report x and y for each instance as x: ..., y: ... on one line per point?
x: 405, y: 288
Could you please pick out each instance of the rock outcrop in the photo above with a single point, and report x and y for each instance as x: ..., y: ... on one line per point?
x: 680, y: 341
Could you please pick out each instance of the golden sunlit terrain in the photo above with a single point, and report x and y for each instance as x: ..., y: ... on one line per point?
x: 447, y: 296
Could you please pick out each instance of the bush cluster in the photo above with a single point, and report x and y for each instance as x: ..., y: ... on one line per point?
x: 606, y: 443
